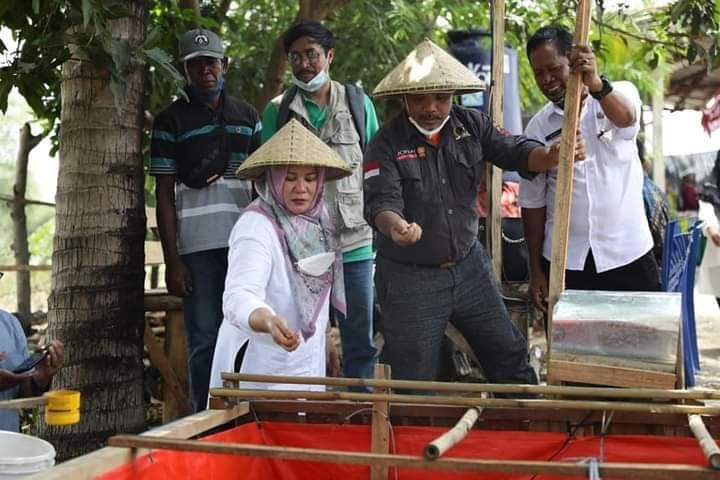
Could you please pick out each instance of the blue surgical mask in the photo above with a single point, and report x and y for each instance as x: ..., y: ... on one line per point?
x: 207, y: 96
x: 314, y: 84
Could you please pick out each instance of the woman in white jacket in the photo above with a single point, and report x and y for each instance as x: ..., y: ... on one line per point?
x: 284, y: 267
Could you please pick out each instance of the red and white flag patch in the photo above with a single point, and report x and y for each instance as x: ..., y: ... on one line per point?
x: 371, y: 169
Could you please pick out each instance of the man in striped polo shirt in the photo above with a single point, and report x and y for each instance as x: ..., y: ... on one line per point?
x: 196, y: 147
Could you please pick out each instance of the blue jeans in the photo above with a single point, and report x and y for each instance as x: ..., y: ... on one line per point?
x: 418, y: 301
x: 203, y: 315
x: 356, y: 330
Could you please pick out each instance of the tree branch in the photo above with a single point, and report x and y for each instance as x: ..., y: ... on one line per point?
x: 634, y: 35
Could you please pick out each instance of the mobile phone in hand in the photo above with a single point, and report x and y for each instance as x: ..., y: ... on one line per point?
x: 31, y: 362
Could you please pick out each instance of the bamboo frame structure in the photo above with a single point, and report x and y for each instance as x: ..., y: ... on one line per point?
x: 707, y: 443
x: 590, y: 405
x: 578, y: 469
x: 566, y: 391
x: 436, y: 448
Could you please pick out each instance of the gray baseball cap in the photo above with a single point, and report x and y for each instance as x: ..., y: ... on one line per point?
x: 200, y: 43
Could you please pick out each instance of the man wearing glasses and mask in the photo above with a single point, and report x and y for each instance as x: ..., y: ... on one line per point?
x: 344, y: 118
x: 197, y: 144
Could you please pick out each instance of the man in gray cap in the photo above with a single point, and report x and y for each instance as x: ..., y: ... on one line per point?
x: 197, y: 145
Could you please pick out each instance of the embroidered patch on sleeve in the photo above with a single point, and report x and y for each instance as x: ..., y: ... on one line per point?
x: 371, y: 169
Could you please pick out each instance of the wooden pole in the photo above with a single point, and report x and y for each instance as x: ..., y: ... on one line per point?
x: 380, y: 425
x: 28, y: 402
x: 26, y: 201
x: 25, y: 268
x: 170, y: 379
x: 452, y: 437
x: 658, y: 104
x: 707, y: 443
x: 467, y: 401
x: 176, y: 352
x: 640, y: 471
x: 493, y: 182
x: 588, y: 392
x: 563, y: 191
x: 20, y: 243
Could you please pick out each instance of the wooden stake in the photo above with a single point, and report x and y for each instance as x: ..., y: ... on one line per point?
x: 563, y: 190
x: 452, y: 437
x: 588, y: 392
x: 172, y: 384
x: 493, y: 176
x: 380, y: 425
x: 707, y: 443
x: 467, y: 401
x: 640, y: 471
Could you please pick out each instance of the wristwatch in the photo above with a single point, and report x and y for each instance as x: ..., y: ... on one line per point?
x: 604, y: 91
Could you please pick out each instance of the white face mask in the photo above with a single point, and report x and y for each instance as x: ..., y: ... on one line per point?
x: 314, y: 84
x: 316, y: 265
x: 428, y: 133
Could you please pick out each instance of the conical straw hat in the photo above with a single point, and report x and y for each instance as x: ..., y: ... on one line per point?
x: 294, y: 144
x: 429, y: 68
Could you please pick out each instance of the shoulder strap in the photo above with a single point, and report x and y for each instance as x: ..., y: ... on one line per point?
x: 356, y: 103
x: 283, y: 115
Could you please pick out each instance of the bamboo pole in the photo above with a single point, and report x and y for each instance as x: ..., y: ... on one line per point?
x: 563, y: 191
x: 25, y: 268
x: 640, y: 471
x: 467, y: 401
x: 493, y: 182
x: 380, y: 426
x: 590, y: 392
x: 707, y: 443
x: 28, y: 402
x: 452, y: 437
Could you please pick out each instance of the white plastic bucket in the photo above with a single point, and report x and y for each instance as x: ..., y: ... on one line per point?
x: 22, y: 455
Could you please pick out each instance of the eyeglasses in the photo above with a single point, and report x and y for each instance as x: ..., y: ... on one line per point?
x: 311, y: 55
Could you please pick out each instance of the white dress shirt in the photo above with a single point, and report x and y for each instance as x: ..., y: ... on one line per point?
x: 607, y: 212
x: 258, y: 276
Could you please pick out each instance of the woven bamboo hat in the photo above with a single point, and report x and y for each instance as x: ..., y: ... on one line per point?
x: 429, y: 68
x: 294, y: 144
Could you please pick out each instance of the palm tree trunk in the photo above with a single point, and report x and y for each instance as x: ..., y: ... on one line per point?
x: 96, y: 303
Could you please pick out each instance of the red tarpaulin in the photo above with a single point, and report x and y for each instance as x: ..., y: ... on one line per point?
x: 479, y: 444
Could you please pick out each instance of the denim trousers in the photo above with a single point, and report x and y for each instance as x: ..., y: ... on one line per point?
x: 418, y: 301
x: 356, y: 329
x: 203, y: 314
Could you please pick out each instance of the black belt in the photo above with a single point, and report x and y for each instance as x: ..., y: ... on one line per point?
x: 442, y: 265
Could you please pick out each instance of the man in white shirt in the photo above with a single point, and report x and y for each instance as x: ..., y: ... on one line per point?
x: 609, y: 242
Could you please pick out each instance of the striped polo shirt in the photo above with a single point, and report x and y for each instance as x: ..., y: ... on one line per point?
x: 184, y: 132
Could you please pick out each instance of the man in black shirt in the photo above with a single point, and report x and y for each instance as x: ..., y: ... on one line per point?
x: 422, y: 173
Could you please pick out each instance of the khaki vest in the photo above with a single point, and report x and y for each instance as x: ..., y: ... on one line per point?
x: 344, y: 197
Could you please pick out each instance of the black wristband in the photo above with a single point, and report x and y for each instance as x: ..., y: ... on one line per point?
x: 604, y: 91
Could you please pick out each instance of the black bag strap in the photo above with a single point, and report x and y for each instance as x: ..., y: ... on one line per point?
x: 356, y: 103
x: 283, y: 115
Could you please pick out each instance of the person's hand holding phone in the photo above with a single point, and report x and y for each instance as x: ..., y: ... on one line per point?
x: 50, y: 365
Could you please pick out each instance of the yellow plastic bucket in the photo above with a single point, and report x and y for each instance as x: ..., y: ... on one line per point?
x: 63, y: 407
